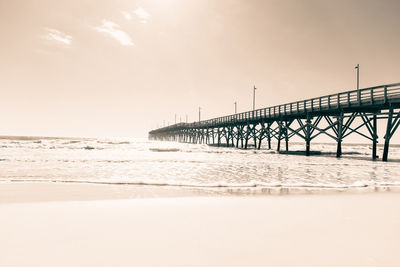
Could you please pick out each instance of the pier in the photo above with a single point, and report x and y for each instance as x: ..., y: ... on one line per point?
x: 303, y: 119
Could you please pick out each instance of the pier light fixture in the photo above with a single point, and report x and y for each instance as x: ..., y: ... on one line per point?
x: 358, y: 76
x: 199, y: 114
x: 254, y: 97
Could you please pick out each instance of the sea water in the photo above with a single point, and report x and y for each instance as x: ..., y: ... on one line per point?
x: 171, y: 164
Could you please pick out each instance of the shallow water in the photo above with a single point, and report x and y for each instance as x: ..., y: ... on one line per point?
x: 143, y: 162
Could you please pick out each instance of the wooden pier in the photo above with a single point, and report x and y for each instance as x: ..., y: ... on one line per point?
x: 302, y: 119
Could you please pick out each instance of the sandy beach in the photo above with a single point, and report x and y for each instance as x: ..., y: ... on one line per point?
x: 294, y: 230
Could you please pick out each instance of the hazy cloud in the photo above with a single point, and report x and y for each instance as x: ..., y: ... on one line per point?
x: 57, y: 36
x: 142, y: 14
x: 113, y: 30
x: 127, y: 15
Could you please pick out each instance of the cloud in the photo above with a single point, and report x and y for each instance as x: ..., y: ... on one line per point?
x: 112, y: 29
x: 126, y: 15
x: 57, y: 36
x: 142, y: 14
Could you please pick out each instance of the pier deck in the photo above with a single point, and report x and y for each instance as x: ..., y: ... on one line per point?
x: 301, y: 119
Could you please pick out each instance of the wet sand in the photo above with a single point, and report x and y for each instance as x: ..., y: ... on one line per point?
x: 22, y: 192
x: 293, y: 230
x: 28, y: 192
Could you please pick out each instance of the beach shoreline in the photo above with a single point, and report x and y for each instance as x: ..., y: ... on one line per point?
x: 27, y: 192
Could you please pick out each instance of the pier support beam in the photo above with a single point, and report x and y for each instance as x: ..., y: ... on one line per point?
x: 308, y: 135
x: 269, y: 135
x: 239, y: 133
x: 219, y: 137
x: 247, y: 136
x: 234, y: 135
x: 226, y: 130
x: 279, y: 137
x: 261, y: 135
x: 387, y: 136
x: 255, y: 135
x: 287, y: 125
x: 375, y: 137
x: 339, y: 135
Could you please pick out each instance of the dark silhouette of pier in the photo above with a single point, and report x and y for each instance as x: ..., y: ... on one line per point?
x: 302, y: 119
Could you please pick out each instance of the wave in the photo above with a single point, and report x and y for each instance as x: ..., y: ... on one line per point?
x: 164, y: 149
x: 222, y: 185
x: 72, y: 142
x: 350, y: 150
x: 114, y: 143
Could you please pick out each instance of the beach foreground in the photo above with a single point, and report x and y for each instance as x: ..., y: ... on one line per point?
x: 300, y: 230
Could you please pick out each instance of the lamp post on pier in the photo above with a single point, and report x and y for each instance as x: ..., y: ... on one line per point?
x: 235, y: 107
x: 199, y: 114
x: 358, y: 84
x: 358, y: 76
x: 254, y: 97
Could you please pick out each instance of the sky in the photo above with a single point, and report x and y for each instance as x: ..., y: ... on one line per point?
x: 96, y: 68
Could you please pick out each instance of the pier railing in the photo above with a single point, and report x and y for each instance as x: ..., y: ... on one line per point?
x: 371, y: 97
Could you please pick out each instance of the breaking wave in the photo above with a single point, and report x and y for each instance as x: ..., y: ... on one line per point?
x: 164, y: 149
x: 253, y: 184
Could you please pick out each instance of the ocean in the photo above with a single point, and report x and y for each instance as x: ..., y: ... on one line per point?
x: 168, y: 164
